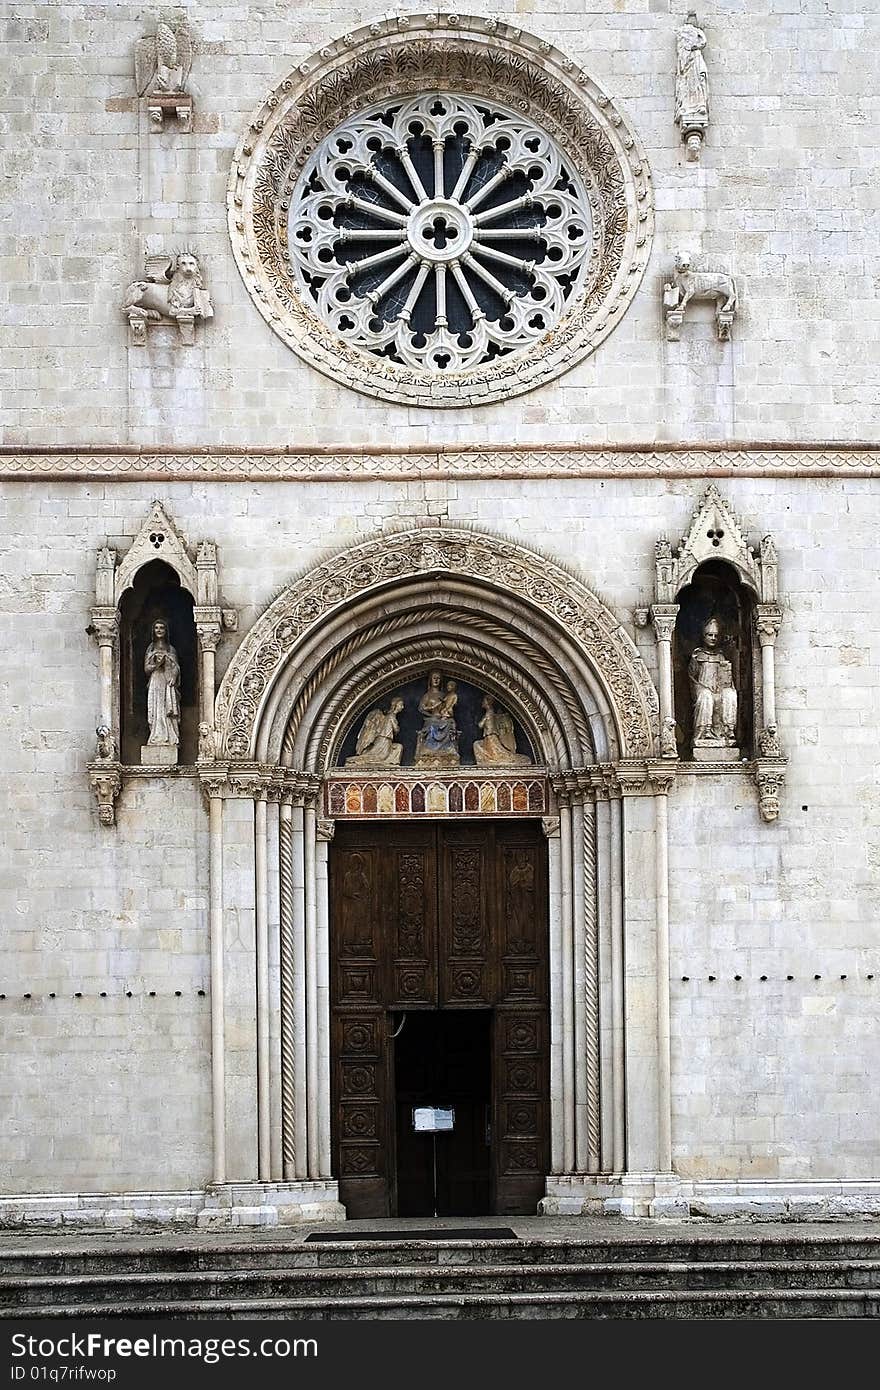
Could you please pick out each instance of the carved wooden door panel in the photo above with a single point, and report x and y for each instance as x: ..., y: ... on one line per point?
x: 448, y: 916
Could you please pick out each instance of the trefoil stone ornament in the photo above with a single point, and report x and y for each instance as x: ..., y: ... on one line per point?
x: 687, y: 284
x: 691, y: 86
x: 171, y: 292
x: 161, y: 63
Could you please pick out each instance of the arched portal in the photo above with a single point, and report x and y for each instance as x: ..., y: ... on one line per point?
x: 334, y: 644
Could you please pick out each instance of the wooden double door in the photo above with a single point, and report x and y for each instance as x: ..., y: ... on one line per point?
x: 439, y: 1003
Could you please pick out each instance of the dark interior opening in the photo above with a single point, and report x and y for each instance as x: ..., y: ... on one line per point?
x: 156, y: 593
x: 442, y: 1062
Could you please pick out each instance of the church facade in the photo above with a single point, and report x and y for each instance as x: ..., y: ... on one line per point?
x: 440, y: 473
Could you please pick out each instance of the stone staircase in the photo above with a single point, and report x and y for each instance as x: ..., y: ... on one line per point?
x: 695, y: 1273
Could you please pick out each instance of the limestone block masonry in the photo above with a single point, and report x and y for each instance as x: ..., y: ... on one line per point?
x: 714, y: 951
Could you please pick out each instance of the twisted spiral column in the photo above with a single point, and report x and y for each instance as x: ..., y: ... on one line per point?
x: 591, y: 988
x: 288, y: 1108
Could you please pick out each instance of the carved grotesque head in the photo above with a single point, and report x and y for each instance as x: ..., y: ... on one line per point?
x: 683, y: 262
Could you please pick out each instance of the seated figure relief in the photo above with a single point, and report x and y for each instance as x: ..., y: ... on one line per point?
x: 437, y: 743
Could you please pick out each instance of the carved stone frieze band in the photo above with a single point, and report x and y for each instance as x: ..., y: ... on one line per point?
x: 395, y: 464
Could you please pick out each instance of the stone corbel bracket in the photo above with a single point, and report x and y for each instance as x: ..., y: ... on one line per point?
x: 105, y: 780
x: 717, y: 534
x: 177, y: 104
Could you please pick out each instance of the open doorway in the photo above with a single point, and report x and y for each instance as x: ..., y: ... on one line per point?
x: 443, y: 1111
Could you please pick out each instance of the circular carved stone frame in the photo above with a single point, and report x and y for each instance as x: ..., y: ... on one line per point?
x: 403, y: 56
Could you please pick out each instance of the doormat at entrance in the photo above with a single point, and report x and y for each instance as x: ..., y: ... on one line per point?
x: 442, y: 1233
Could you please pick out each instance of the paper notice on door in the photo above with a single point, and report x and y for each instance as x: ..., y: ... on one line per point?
x: 429, y: 1119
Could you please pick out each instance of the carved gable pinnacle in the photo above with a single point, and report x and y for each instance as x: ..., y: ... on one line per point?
x: 157, y: 539
x: 716, y: 533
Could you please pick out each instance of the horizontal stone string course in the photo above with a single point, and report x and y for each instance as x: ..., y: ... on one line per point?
x: 280, y: 465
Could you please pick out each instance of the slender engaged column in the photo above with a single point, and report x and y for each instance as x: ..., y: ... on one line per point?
x: 567, y: 945
x: 663, y: 616
x: 262, y: 943
x: 606, y: 974
x: 273, y: 875
x: 312, y: 1009
x: 218, y: 1059
x: 579, y: 989
x: 299, y: 996
x: 768, y: 620
x: 664, y: 1064
x: 325, y: 830
x: 288, y: 1044
x: 591, y: 990
x: 617, y: 1000
x: 554, y: 865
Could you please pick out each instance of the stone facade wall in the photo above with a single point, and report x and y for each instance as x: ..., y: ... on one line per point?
x: 770, y: 1078
x: 785, y: 196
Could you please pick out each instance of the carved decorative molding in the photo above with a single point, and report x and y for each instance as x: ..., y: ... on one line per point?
x: 535, y: 580
x: 413, y: 796
x: 394, y: 464
x: 401, y: 57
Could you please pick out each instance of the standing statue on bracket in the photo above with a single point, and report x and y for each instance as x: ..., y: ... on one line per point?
x: 715, y: 700
x: 497, y: 747
x: 163, y: 698
x: 376, y: 746
x: 437, y: 742
x: 691, y: 86
x: 688, y: 284
x: 172, y: 292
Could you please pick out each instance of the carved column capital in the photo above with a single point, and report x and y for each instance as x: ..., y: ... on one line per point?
x: 104, y: 625
x: 105, y: 780
x: 661, y: 778
x: 209, y: 621
x: 550, y: 826
x: 768, y: 620
x: 663, y: 616
x: 325, y: 829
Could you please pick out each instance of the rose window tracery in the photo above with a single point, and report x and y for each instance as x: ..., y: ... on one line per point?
x: 440, y: 232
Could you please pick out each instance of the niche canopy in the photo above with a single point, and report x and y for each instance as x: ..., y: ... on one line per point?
x: 440, y: 210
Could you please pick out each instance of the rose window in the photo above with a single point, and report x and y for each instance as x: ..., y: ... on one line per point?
x: 441, y: 233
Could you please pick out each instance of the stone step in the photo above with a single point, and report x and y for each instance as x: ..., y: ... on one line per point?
x: 763, y: 1303
x: 164, y: 1257
x: 268, y: 1284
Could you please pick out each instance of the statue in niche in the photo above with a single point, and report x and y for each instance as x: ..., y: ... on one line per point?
x: 437, y: 742
x: 715, y: 700
x: 691, y: 86
x: 375, y: 745
x: 497, y: 747
x: 163, y: 697
x: 172, y: 291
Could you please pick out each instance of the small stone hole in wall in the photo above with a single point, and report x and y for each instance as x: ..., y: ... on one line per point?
x: 77, y: 994
x: 711, y: 979
x: 51, y: 994
x: 805, y: 808
x: 2, y: 996
x: 128, y: 994
x: 763, y: 977
x: 817, y: 977
x: 152, y: 994
x: 870, y: 977
x: 789, y: 977
x: 26, y: 996
x: 843, y: 977
x: 737, y: 977
x: 201, y: 993
x: 178, y: 993
x: 684, y: 980
x: 103, y: 994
